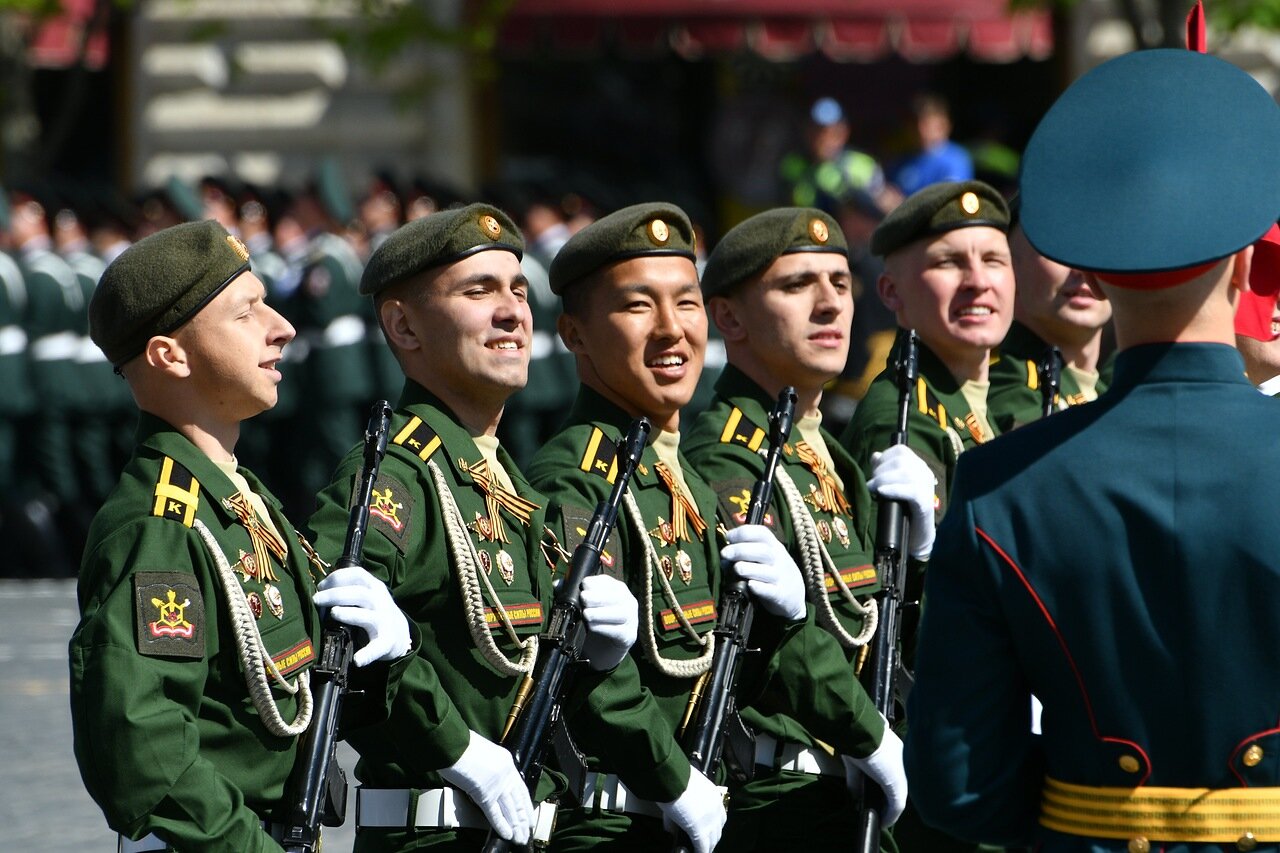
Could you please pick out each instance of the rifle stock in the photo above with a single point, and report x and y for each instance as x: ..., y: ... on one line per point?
x: 1050, y: 370
x: 317, y: 789
x: 892, y: 532
x: 537, y: 706
x: 717, y: 703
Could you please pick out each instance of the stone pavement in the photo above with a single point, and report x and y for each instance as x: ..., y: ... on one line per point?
x: 44, y: 807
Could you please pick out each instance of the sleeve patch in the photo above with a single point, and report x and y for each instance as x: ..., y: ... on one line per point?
x: 577, y: 522
x: 177, y: 493
x: 738, y: 429
x: 735, y: 498
x: 419, y: 438
x: 391, y: 509
x: 600, y: 457
x: 170, y: 614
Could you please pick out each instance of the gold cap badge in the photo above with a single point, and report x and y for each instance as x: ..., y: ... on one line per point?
x: 237, y: 245
x: 491, y: 226
x: 818, y: 231
x: 969, y: 203
x: 659, y: 233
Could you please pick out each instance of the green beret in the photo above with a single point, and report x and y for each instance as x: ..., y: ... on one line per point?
x: 656, y: 228
x: 161, y: 282
x: 939, y: 208
x: 750, y: 246
x: 439, y: 239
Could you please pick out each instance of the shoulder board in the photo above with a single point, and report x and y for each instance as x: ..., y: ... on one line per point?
x: 1033, y: 375
x: 177, y: 493
x: 929, y: 405
x: 738, y: 429
x: 600, y: 457
x: 418, y: 438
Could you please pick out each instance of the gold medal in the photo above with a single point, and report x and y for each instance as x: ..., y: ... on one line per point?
x: 483, y: 528
x: 275, y: 602
x: 842, y: 530
x: 668, y: 568
x: 506, y: 567
x: 247, y: 566
x: 664, y: 533
x: 255, y: 605
x: 686, y: 567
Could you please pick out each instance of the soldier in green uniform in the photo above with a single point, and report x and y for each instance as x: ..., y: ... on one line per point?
x: 1055, y: 306
x: 947, y: 275
x: 190, y: 668
x: 1119, y: 559
x: 634, y: 319
x: 459, y: 536
x: 779, y: 287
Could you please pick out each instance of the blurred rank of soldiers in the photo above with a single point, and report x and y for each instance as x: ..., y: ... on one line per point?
x: 1054, y: 306
x: 24, y: 533
x: 635, y: 321
x: 459, y: 536
x: 1119, y: 558
x: 779, y: 287
x: 191, y: 664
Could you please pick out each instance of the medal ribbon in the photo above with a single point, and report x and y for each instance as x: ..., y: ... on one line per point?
x: 683, y: 511
x: 833, y: 501
x: 495, y: 495
x: 264, y: 539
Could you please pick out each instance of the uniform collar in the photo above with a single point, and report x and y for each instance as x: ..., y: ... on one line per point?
x: 932, y: 368
x: 592, y: 406
x: 1178, y: 362
x: 742, y: 391
x: 1021, y: 342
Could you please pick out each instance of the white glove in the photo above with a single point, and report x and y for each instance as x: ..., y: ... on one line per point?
x: 699, y: 812
x: 900, y: 475
x: 884, y: 767
x: 360, y: 600
x: 771, y: 575
x: 611, y: 614
x: 487, y: 774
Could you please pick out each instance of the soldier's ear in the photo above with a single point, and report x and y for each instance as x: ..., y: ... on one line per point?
x: 887, y: 290
x: 726, y: 314
x: 167, y: 355
x: 395, y: 324
x: 567, y: 327
x: 1241, y: 266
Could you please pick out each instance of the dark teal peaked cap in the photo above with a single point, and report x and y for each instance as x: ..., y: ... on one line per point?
x: 1154, y: 161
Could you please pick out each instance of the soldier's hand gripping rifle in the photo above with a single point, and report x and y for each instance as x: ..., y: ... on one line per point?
x: 733, y: 625
x: 1050, y: 370
x: 537, y: 705
x: 892, y: 533
x: 317, y: 789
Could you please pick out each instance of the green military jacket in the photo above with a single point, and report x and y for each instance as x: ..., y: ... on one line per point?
x: 940, y: 427
x: 167, y: 736
x: 1016, y: 397
x: 725, y: 446
x: 634, y: 715
x: 451, y: 688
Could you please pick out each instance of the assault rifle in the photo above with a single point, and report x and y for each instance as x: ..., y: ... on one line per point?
x: 537, y: 704
x: 893, y: 526
x: 733, y: 626
x: 317, y: 789
x: 1050, y: 371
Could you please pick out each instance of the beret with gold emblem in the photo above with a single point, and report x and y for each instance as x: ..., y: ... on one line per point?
x: 439, y: 239
x: 655, y: 228
x: 751, y: 245
x: 161, y: 282
x: 937, y: 209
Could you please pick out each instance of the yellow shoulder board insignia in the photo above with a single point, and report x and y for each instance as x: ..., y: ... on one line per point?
x: 419, y: 438
x: 739, y: 430
x: 1033, y: 375
x: 930, y: 405
x: 177, y: 493
x: 601, y: 456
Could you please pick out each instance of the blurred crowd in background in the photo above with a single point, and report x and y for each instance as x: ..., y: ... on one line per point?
x: 66, y: 420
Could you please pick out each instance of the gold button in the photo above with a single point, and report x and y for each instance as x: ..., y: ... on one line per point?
x: 1139, y: 845
x: 1129, y: 764
x: 969, y: 203
x: 491, y: 226
x: 658, y: 232
x: 1247, y: 842
x: 1252, y: 756
x: 818, y: 231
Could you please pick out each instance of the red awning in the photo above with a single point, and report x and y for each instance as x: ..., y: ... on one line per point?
x: 57, y: 40
x: 780, y: 30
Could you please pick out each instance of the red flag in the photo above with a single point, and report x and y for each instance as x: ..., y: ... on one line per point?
x: 1195, y: 28
x: 1256, y: 308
